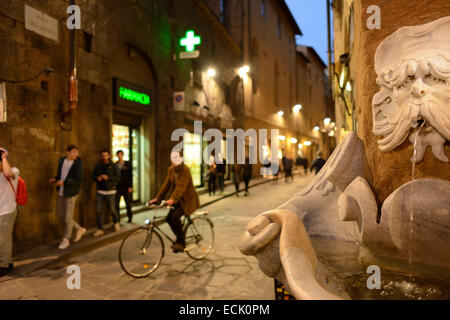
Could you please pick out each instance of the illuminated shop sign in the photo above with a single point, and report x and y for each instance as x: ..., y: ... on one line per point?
x: 130, y: 94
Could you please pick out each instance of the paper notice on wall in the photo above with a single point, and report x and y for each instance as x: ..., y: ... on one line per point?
x: 178, y: 101
x: 2, y: 102
x: 41, y: 23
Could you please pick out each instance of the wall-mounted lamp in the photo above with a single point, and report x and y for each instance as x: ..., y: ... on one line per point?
x: 280, y: 113
x: 211, y: 73
x: 243, y: 71
x: 300, y: 146
x: 307, y: 143
x: 282, y: 138
x: 293, y: 140
x: 297, y: 108
x: 316, y: 128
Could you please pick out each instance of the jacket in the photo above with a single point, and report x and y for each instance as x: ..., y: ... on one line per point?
x: 113, y: 173
x: 126, y: 176
x: 72, y: 183
x: 179, y: 180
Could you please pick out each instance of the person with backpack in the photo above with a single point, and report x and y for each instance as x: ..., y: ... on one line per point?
x: 68, y: 182
x: 9, y: 181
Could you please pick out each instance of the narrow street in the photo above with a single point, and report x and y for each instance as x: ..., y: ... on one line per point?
x: 224, y: 274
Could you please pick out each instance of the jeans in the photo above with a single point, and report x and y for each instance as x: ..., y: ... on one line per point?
x: 246, y: 181
x: 111, y: 203
x: 221, y: 182
x: 6, y: 241
x: 127, y: 196
x: 174, y: 221
x: 64, y: 208
x: 212, y: 184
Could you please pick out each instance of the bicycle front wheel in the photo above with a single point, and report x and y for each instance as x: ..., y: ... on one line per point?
x: 199, y: 237
x: 141, y: 252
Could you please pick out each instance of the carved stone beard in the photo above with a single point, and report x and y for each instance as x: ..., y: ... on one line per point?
x: 397, y: 122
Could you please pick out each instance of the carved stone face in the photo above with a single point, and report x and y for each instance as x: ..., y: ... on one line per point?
x: 414, y: 100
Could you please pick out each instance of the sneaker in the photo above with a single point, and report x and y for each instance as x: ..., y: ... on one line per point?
x: 117, y: 227
x: 64, y: 244
x: 99, y: 233
x: 79, y: 234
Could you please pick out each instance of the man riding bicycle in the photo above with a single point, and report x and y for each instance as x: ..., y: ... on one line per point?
x: 183, y: 197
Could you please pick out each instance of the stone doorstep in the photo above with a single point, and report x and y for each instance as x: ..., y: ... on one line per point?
x: 48, y: 255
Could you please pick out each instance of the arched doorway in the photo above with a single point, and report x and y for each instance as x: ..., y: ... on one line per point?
x: 133, y: 99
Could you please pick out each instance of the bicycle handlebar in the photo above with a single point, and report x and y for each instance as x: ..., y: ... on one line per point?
x: 163, y: 204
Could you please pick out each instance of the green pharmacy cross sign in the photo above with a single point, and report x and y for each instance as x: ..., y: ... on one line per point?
x: 190, y: 41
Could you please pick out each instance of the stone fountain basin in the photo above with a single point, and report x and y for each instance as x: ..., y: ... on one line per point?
x: 320, y: 243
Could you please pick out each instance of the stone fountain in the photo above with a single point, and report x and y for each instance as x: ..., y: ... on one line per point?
x: 320, y: 243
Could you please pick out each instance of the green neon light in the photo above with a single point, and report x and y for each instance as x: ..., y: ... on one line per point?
x: 134, y: 96
x: 190, y: 41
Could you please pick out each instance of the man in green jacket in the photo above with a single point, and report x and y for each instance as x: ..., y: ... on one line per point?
x: 106, y: 174
x: 182, y: 195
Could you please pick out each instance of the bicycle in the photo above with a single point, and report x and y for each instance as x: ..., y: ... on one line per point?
x: 141, y: 252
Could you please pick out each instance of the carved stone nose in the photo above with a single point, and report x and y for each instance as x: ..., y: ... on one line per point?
x: 418, y: 88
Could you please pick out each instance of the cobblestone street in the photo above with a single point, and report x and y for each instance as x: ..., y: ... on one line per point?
x: 224, y: 274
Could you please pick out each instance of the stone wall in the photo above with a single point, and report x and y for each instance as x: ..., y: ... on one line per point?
x: 33, y: 134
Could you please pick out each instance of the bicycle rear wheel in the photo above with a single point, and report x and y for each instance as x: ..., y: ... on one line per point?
x: 199, y: 237
x: 141, y: 252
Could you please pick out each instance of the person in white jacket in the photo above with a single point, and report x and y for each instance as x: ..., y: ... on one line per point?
x: 9, y: 178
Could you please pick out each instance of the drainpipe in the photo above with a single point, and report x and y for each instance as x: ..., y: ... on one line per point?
x: 330, y: 74
x: 73, y: 82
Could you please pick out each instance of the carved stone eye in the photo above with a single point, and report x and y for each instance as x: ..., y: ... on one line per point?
x: 430, y: 79
x: 407, y: 83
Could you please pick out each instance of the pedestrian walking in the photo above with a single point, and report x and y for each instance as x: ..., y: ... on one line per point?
x: 106, y: 174
x: 318, y: 163
x: 287, y: 167
x: 182, y: 195
x: 247, y: 175
x: 9, y: 180
x: 68, y: 182
x: 125, y: 185
x: 237, y: 177
x: 221, y: 170
x: 212, y: 174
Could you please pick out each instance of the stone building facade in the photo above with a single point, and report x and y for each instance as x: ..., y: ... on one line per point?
x: 354, y: 49
x: 135, y: 46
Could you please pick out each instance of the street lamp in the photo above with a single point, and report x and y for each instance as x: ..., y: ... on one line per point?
x: 297, y: 108
x: 326, y: 121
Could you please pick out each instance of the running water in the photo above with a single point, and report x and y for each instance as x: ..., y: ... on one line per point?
x: 411, y: 216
